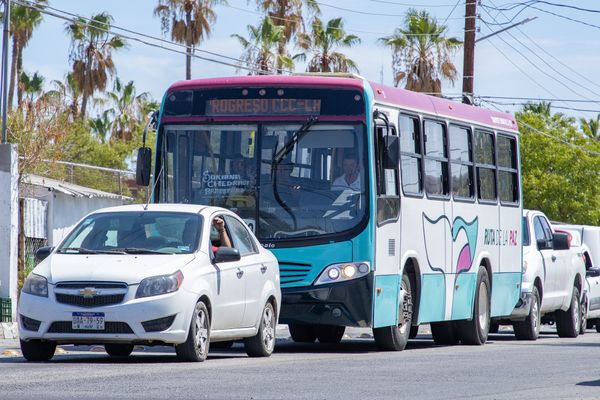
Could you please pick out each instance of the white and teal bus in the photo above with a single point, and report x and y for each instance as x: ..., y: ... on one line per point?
x: 385, y: 208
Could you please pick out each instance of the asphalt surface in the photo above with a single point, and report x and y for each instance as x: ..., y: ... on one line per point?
x: 550, y: 368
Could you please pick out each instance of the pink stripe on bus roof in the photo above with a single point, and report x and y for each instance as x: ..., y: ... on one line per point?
x: 260, y: 80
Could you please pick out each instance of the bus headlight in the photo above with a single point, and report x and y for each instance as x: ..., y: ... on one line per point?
x: 343, y: 272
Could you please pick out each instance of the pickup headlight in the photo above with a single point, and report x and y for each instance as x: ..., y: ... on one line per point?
x: 157, y: 285
x: 343, y: 272
x: 36, y: 285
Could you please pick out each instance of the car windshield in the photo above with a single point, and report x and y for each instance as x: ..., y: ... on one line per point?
x: 133, y: 232
x: 286, y: 180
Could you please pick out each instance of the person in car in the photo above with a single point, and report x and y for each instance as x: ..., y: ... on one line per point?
x: 219, y: 225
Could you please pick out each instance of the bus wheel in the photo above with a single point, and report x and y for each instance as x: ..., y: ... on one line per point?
x: 475, y: 331
x: 329, y: 333
x: 414, y: 330
x: 394, y: 338
x: 444, y: 333
x: 302, y: 333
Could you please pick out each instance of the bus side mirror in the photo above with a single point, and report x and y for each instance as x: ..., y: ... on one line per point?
x: 144, y: 161
x: 392, y: 152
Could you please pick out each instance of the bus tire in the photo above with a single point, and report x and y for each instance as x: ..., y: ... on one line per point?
x: 567, y: 322
x: 394, y: 338
x: 414, y: 330
x: 494, y: 327
x: 529, y: 329
x: 331, y: 334
x: 444, y: 333
x: 597, y: 326
x: 302, y: 333
x: 475, y: 331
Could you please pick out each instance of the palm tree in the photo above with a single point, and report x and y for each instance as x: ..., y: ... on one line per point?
x: 102, y: 125
x: 190, y: 22
x: 32, y: 85
x: 289, y: 15
x: 67, y: 93
x: 128, y: 108
x: 421, y: 53
x: 591, y: 127
x: 91, y: 53
x: 322, y: 43
x: 260, y: 52
x: 542, y: 108
x: 23, y: 20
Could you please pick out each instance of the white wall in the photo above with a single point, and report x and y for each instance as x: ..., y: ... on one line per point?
x: 9, y: 219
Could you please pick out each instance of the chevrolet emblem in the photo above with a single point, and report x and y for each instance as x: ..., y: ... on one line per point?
x: 88, y: 292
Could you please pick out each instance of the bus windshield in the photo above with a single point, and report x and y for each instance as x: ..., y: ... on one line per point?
x: 287, y: 180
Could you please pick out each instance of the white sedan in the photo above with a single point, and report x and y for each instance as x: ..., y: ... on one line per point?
x: 182, y: 275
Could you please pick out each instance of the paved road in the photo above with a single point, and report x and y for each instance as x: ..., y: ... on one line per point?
x: 504, y: 368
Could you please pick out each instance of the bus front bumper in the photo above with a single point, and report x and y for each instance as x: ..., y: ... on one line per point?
x: 346, y: 303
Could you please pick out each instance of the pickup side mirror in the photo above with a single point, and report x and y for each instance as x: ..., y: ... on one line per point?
x: 43, y: 252
x: 543, y: 244
x: 593, y: 272
x: 392, y: 152
x: 144, y: 161
x: 560, y: 241
x: 227, y: 254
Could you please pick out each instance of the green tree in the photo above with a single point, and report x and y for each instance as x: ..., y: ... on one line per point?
x: 23, y: 21
x: 128, y: 108
x: 91, y: 53
x: 421, y: 53
x: 260, y: 48
x: 32, y: 85
x: 189, y: 21
x: 68, y: 93
x: 289, y: 15
x: 101, y: 126
x: 559, y: 178
x: 542, y: 108
x: 322, y: 44
x: 591, y: 127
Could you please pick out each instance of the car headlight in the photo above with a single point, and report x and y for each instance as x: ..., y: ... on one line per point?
x: 343, y: 272
x: 158, y: 285
x: 36, y: 285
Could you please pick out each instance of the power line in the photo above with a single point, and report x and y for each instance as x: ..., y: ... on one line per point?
x: 451, y: 11
x: 537, y: 99
x: 371, y: 13
x: 521, y: 104
x: 530, y: 3
x: 413, y: 4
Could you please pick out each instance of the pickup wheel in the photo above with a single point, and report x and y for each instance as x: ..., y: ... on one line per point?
x: 330, y: 334
x: 302, y: 333
x: 568, y: 322
x: 530, y: 328
x: 475, y: 331
x: 584, y: 312
x: 597, y: 326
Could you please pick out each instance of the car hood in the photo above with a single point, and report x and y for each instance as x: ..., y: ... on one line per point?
x: 127, y: 268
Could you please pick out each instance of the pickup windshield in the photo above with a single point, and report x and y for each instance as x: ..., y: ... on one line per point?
x: 146, y: 232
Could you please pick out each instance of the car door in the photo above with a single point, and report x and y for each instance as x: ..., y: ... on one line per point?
x: 229, y: 301
x: 552, y: 270
x: 253, y: 267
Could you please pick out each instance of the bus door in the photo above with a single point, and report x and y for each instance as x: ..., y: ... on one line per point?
x: 387, y: 231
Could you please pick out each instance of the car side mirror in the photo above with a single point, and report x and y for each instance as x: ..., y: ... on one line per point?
x: 560, y: 241
x: 43, y: 252
x: 392, y: 152
x: 593, y: 272
x: 144, y: 161
x: 543, y: 244
x: 227, y: 254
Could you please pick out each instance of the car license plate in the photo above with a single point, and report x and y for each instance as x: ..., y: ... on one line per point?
x: 88, y: 321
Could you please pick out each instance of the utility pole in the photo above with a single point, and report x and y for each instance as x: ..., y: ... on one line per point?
x: 5, y: 68
x: 469, y: 51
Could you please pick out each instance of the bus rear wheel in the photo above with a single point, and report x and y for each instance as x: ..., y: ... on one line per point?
x: 394, y: 338
x: 475, y: 331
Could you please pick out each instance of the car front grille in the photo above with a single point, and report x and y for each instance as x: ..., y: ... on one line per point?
x: 96, y: 301
x: 90, y: 294
x: 109, y: 327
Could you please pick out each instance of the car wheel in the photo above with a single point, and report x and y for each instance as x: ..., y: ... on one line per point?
x: 568, y: 322
x: 584, y: 311
x: 329, y: 333
x: 195, y: 348
x: 37, y: 350
x: 529, y: 329
x: 263, y: 343
x: 118, y: 349
x: 301, y: 333
x: 394, y: 338
x: 444, y: 333
x: 475, y: 331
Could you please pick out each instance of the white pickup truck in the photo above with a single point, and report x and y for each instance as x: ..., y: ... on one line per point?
x: 553, y: 281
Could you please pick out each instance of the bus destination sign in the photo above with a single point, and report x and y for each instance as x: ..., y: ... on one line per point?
x: 262, y: 107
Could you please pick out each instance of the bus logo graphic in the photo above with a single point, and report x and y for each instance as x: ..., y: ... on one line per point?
x: 458, y: 253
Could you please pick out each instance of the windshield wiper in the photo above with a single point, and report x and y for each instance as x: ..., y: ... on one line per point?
x: 289, y: 145
x: 135, y: 250
x: 80, y: 250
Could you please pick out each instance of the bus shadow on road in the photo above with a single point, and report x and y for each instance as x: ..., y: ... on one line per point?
x: 589, y: 383
x: 351, y: 345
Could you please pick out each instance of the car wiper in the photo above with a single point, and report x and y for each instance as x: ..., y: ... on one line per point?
x: 80, y: 250
x: 135, y: 250
x: 289, y: 145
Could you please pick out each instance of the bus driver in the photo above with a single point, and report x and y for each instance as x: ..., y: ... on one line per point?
x: 350, y: 179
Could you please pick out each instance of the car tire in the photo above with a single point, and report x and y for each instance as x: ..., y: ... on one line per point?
x: 263, y: 343
x: 414, y: 330
x: 529, y: 329
x: 222, y: 345
x: 118, y: 349
x: 444, y: 333
x: 330, y: 334
x: 37, y: 350
x: 394, y: 338
x: 568, y: 322
x: 302, y: 333
x: 195, y: 347
x: 584, y: 312
x: 475, y: 331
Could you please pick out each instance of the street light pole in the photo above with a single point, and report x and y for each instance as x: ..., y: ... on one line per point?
x: 5, y: 69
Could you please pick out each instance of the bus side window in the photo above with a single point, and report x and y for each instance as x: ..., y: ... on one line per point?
x: 410, y: 155
x: 485, y: 163
x: 508, y: 175
x: 388, y: 200
x: 461, y: 160
x: 436, y: 159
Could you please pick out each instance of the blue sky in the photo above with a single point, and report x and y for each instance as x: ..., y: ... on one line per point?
x: 499, y: 69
